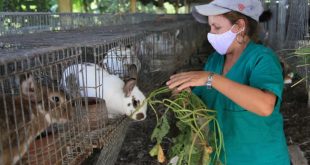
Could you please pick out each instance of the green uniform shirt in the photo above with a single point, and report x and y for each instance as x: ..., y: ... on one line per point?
x: 249, y: 139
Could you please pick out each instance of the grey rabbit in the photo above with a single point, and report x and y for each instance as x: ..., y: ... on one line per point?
x: 36, y: 108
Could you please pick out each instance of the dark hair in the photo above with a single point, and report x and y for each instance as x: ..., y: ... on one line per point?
x: 251, y: 25
x: 266, y: 16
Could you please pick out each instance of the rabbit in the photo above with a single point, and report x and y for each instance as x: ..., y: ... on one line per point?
x: 35, y: 109
x: 118, y: 59
x: 121, y: 98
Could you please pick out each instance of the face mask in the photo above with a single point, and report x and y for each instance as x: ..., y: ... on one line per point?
x: 221, y: 42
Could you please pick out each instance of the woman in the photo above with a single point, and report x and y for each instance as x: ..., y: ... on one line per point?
x: 243, y: 82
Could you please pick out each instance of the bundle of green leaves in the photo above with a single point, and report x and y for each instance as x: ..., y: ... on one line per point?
x: 199, y: 141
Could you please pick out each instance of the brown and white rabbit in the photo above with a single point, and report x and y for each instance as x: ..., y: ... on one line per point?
x: 121, y: 98
x: 24, y: 117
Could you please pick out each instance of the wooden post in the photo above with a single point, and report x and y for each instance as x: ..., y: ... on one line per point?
x: 186, y: 5
x: 64, y: 6
x: 177, y: 7
x: 133, y: 6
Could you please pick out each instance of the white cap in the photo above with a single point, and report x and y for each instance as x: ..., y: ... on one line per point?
x: 251, y: 8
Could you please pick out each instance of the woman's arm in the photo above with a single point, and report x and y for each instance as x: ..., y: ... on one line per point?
x: 252, y: 99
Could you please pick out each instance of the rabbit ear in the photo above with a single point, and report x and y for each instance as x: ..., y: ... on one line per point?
x: 132, y: 81
x: 29, y: 88
x: 128, y: 87
x: 133, y: 71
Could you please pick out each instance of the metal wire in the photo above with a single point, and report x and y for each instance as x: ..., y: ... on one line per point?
x: 28, y: 22
x: 158, y: 46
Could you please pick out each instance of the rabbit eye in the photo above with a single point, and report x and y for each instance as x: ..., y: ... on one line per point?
x: 128, y: 104
x: 135, y: 103
x: 56, y: 99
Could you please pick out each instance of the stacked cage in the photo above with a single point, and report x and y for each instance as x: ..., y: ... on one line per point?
x: 166, y: 49
x: 65, y: 92
x: 39, y: 124
x: 27, y: 22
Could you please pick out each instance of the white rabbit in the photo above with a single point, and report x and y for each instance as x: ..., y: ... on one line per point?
x: 86, y: 79
x: 118, y: 59
x: 121, y: 98
x: 35, y: 110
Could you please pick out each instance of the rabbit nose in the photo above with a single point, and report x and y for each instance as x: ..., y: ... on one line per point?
x: 140, y: 116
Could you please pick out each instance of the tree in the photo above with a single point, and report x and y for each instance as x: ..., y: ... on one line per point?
x: 65, y: 6
x: 24, y: 5
x: 1, y: 5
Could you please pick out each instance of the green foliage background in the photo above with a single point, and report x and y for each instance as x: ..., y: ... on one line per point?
x: 88, y: 6
x: 1, y: 5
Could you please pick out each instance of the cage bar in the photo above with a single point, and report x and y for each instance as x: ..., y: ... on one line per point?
x: 58, y: 58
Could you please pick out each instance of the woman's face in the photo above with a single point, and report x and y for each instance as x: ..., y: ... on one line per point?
x: 219, y: 24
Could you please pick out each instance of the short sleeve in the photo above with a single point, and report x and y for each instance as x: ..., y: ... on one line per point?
x: 267, y: 74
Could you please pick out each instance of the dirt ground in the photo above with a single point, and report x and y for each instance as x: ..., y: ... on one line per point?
x: 297, y: 117
x: 296, y: 124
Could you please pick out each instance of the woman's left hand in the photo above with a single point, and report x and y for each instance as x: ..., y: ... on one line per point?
x: 188, y: 79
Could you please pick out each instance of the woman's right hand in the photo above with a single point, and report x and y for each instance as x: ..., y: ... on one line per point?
x: 185, y: 80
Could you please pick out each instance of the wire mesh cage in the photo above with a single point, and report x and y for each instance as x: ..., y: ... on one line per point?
x: 48, y: 145
x: 116, y: 138
x: 28, y: 22
x: 33, y: 105
x: 82, y: 83
x: 166, y: 49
